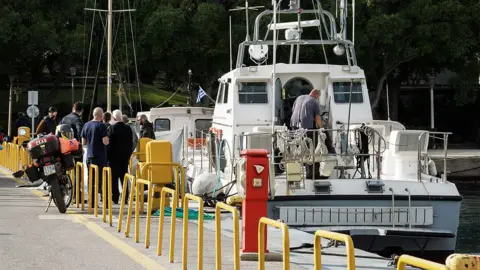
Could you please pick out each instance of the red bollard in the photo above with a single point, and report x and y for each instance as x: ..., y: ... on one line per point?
x: 254, y: 205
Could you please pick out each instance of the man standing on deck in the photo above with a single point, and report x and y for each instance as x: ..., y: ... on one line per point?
x: 306, y: 114
x: 147, y: 128
x: 94, y: 136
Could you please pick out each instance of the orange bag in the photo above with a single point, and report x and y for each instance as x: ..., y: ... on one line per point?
x: 68, y: 146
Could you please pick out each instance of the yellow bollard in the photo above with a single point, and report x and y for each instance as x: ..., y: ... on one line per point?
x: 79, y: 184
x: 405, y: 260
x: 93, y: 197
x: 236, y: 236
x: 173, y: 221
x: 185, y: 230
x: 107, y: 194
x: 261, y: 242
x: 126, y: 178
x: 463, y: 261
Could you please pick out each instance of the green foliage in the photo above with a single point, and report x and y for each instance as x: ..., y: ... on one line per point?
x: 393, y: 39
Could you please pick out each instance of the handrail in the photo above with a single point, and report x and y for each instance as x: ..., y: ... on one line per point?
x: 317, y: 249
x: 236, y: 240
x: 178, y: 178
x: 188, y: 197
x: 405, y: 260
x: 163, y: 194
x: 261, y: 242
x: 419, y: 158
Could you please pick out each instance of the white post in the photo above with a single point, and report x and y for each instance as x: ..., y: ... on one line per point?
x: 109, y: 56
x: 388, y: 103
x: 9, y: 132
x: 274, y: 62
x: 33, y: 120
x: 230, y: 35
x: 432, y: 99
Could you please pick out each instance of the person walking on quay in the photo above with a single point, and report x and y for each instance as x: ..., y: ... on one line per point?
x: 49, y: 123
x: 94, y: 136
x: 134, y: 133
x: 74, y: 120
x: 147, y: 128
x: 119, y: 152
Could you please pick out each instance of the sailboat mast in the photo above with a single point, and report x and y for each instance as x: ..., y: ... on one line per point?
x: 109, y: 56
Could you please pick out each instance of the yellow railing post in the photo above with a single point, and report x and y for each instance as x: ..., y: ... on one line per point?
x: 236, y: 236
x: 163, y: 194
x: 93, y: 197
x: 151, y: 189
x: 261, y: 242
x: 405, y: 260
x: 317, y: 249
x: 107, y: 194
x: 79, y: 176
x: 126, y: 178
x: 185, y: 230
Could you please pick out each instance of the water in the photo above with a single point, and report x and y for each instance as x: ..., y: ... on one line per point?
x: 468, y: 240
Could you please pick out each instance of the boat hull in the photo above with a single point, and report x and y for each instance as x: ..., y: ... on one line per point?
x: 353, y: 215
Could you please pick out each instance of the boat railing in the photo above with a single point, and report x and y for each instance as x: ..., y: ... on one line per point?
x: 423, y: 158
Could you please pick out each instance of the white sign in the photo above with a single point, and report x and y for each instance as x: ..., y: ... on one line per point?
x: 32, y: 97
x: 33, y: 111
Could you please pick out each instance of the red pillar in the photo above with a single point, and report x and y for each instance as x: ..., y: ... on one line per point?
x: 254, y: 204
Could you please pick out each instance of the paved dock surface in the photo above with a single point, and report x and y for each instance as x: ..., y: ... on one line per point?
x: 33, y: 239
x: 78, y: 240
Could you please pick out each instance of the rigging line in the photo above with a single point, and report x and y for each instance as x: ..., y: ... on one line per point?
x: 84, y: 37
x: 117, y: 29
x: 127, y: 69
x: 135, y: 58
x: 320, y: 10
x: 99, y: 62
x: 89, y: 53
x: 178, y: 89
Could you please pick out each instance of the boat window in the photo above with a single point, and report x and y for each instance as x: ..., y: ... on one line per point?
x: 162, y: 124
x: 252, y: 93
x: 225, y: 92
x: 341, y: 92
x: 221, y: 87
x: 202, y: 126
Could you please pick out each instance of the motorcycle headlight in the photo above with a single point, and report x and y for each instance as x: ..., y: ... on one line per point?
x: 22, y: 132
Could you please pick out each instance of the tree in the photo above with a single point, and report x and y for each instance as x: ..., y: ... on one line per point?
x: 392, y: 34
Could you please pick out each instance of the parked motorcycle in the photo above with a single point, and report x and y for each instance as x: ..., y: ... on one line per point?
x: 53, y: 156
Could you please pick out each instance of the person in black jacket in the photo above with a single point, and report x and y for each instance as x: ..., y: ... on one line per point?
x: 119, y: 152
x: 147, y: 128
x: 74, y: 120
x: 49, y: 123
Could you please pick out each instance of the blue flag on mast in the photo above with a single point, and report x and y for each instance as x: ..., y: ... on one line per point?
x: 201, y: 94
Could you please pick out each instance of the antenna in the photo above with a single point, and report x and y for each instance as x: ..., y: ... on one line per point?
x: 246, y: 8
x: 388, y: 103
x: 109, y: 47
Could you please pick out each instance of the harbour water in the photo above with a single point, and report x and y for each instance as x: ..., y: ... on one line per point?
x: 468, y: 240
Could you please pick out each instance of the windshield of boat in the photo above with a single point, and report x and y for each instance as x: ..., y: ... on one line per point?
x: 252, y: 92
x: 341, y: 92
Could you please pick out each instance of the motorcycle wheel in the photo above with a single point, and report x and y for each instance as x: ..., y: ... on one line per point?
x: 57, y: 195
x: 67, y: 190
